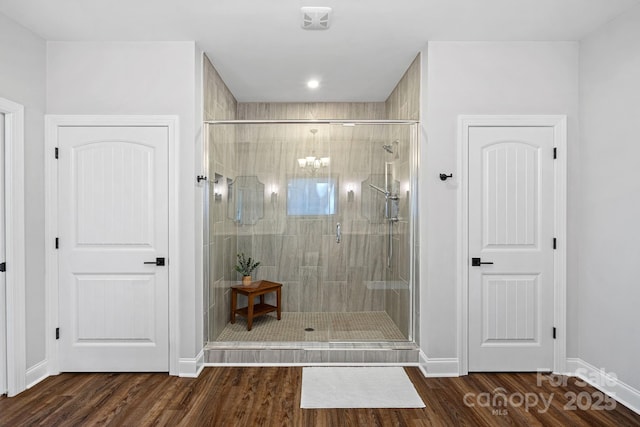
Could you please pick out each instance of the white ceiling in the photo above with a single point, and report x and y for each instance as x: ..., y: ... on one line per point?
x: 263, y: 55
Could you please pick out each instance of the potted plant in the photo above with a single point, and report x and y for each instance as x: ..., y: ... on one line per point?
x: 245, y: 266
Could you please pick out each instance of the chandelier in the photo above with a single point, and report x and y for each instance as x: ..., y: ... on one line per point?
x: 313, y: 163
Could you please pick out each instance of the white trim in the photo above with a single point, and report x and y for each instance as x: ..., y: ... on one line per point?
x: 191, y: 367
x: 50, y: 231
x: 559, y: 123
x: 52, y: 123
x: 174, y: 239
x: 320, y: 364
x: 560, y: 254
x: 605, y: 382
x: 439, y: 367
x: 15, y: 249
x: 423, y: 360
x: 37, y: 373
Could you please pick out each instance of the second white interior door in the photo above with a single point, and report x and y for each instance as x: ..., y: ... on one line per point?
x: 511, y: 231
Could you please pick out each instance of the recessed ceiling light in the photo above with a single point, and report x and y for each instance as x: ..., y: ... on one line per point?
x: 313, y: 84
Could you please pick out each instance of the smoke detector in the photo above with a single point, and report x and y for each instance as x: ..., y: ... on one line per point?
x: 315, y: 18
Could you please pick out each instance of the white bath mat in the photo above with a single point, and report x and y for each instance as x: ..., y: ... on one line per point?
x: 355, y: 387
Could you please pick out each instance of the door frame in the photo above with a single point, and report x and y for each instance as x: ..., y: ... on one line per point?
x: 559, y: 125
x: 52, y: 125
x: 15, y: 309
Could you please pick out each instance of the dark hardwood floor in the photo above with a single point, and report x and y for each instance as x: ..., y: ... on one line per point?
x: 271, y: 397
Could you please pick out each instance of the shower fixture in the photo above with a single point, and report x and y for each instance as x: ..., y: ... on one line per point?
x: 391, y: 209
x: 392, y: 148
x: 385, y: 192
x: 391, y: 203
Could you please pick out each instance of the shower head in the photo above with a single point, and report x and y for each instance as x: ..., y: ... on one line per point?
x: 392, y: 148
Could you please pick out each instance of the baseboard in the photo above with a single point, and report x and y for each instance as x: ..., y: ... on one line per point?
x: 191, y: 367
x: 37, y: 373
x: 422, y: 363
x: 605, y: 382
x: 439, y: 367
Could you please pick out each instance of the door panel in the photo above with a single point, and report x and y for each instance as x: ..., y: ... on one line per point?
x: 510, y: 192
x: 118, y: 212
x: 511, y: 226
x: 508, y: 305
x: 113, y: 224
x: 114, y: 308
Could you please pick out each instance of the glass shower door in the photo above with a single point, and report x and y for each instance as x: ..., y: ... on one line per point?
x: 326, y: 210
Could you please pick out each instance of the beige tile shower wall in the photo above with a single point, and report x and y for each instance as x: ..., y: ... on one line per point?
x: 404, y: 101
x: 402, y: 104
x: 219, y: 104
x: 317, y: 273
x: 312, y: 111
x: 301, y: 252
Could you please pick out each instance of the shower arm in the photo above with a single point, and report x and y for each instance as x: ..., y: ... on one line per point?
x: 387, y: 194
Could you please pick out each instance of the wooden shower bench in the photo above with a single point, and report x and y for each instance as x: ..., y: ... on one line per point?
x: 251, y: 291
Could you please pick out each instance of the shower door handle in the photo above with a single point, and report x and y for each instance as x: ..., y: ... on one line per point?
x: 338, y: 233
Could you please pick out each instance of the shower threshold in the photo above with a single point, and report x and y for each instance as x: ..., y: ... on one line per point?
x: 309, y: 353
x: 314, y: 338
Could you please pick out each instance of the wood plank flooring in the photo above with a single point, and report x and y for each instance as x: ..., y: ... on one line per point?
x: 270, y: 396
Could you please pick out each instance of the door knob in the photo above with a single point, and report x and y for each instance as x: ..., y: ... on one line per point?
x: 477, y: 262
x: 158, y: 261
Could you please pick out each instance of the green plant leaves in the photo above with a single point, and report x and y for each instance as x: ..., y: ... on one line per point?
x: 245, y: 265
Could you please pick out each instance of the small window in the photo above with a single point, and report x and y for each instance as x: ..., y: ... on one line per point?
x: 312, y: 196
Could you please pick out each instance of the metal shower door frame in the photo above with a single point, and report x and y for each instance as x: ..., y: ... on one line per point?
x: 413, y: 190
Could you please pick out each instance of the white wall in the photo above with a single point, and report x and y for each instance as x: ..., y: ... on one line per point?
x: 609, y: 235
x: 480, y: 78
x: 22, y: 80
x: 144, y: 78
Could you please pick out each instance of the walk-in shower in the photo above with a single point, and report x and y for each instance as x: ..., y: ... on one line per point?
x: 328, y: 208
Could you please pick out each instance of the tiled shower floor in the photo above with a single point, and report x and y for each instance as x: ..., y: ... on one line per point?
x: 327, y: 327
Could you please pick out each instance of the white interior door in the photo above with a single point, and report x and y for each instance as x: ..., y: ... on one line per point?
x: 511, y: 226
x: 3, y: 284
x: 113, y: 226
